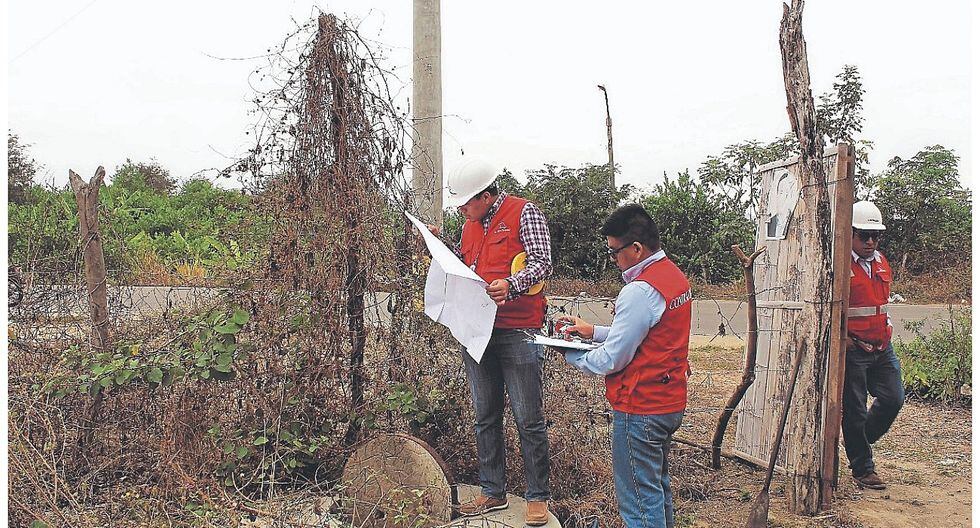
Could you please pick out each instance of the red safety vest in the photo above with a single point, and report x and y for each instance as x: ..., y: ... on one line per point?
x: 655, y: 381
x: 867, y: 314
x: 493, y: 254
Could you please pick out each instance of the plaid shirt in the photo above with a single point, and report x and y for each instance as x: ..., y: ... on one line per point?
x: 535, y: 238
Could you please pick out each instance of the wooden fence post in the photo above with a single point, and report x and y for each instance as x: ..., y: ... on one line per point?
x: 87, y: 198
x: 843, y: 204
x: 751, y: 352
x: 813, y: 327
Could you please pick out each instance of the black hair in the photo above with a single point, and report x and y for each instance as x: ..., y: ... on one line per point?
x: 631, y: 223
x: 492, y: 189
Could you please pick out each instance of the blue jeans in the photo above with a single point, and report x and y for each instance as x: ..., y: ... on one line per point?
x: 512, y: 362
x: 880, y: 375
x: 640, y: 444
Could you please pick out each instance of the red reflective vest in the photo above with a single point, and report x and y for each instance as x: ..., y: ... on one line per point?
x: 867, y: 313
x: 655, y: 381
x: 493, y: 254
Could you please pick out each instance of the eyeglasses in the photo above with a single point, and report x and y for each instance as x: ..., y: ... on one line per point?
x: 613, y: 252
x: 866, y: 235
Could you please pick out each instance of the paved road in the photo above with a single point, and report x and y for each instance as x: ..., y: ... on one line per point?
x: 710, y: 318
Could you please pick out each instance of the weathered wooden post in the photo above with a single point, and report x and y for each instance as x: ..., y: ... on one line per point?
x: 843, y: 203
x: 87, y: 198
x: 751, y: 351
x: 814, y: 329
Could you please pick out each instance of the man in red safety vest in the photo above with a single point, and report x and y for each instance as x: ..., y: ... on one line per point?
x: 643, y: 357
x: 871, y: 366
x: 500, y: 228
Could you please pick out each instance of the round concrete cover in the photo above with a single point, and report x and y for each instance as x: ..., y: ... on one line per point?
x: 398, y: 480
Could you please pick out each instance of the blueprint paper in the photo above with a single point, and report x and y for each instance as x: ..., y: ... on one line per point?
x: 561, y: 343
x: 456, y: 297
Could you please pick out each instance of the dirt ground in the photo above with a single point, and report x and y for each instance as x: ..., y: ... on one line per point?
x: 925, y: 459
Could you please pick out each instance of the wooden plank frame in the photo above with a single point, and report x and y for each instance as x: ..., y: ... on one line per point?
x: 843, y: 204
x: 779, y: 302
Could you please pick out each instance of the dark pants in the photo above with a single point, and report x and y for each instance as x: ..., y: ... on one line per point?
x: 878, y: 374
x: 512, y: 362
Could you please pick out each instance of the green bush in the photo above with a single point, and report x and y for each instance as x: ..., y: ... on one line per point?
x: 938, y: 366
x: 575, y: 202
x: 697, y: 231
x: 144, y: 230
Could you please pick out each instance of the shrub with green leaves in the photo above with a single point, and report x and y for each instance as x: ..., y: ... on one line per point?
x: 201, y: 226
x: 696, y: 230
x: 206, y: 349
x: 938, y: 366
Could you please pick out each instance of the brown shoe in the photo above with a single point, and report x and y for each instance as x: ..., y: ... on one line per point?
x: 481, y: 505
x: 871, y: 481
x: 537, y: 513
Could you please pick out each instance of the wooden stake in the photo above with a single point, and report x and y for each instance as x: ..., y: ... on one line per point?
x: 752, y: 344
x: 87, y: 198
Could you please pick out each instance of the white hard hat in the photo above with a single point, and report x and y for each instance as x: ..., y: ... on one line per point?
x: 468, y: 180
x: 867, y: 216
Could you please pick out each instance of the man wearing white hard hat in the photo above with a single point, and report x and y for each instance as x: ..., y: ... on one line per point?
x: 871, y: 366
x: 507, y: 243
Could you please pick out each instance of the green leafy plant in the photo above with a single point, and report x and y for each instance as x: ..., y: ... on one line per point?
x: 143, y: 221
x: 408, y: 508
x: 205, y: 349
x: 282, y: 449
x: 939, y: 365
x: 420, y: 409
x: 697, y: 230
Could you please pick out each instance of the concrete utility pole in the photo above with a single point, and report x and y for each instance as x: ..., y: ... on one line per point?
x: 427, y: 109
x: 612, y: 166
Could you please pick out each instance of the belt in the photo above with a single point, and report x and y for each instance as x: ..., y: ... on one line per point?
x: 867, y: 311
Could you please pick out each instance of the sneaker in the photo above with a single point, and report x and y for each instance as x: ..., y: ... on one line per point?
x: 481, y: 505
x: 870, y: 480
x: 537, y: 513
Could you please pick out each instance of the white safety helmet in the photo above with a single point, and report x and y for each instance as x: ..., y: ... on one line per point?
x: 867, y: 216
x: 468, y: 180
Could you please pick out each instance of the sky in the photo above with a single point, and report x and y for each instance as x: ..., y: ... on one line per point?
x: 94, y: 82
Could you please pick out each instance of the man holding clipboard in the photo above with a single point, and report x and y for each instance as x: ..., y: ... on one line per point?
x: 643, y: 356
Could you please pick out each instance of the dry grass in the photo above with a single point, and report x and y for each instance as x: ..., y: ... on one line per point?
x: 154, y: 459
x: 943, y: 287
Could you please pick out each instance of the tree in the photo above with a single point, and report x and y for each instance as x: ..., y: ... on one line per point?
x: 507, y: 183
x: 926, y: 210
x: 732, y: 174
x: 21, y: 169
x: 144, y: 175
x: 697, y: 229
x: 732, y: 177
x: 839, y: 112
x: 839, y: 119
x: 575, y: 201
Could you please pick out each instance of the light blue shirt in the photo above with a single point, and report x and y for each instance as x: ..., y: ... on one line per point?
x: 639, y: 308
